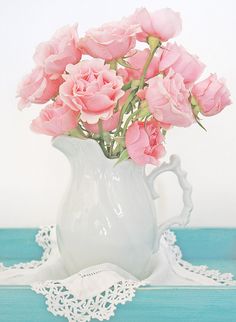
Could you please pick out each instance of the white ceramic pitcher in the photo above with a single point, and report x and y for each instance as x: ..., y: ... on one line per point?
x: 108, y: 214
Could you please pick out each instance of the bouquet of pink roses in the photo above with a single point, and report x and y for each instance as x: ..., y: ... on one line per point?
x: 124, y: 98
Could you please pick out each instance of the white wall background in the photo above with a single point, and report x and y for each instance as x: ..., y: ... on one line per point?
x: 33, y: 175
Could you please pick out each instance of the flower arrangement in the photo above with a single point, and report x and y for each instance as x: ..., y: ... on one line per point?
x: 125, y: 98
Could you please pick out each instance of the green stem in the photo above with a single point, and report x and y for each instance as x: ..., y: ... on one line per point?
x: 141, y: 85
x: 146, y: 65
x: 100, y: 128
x: 123, y: 110
x: 102, y: 145
x: 101, y: 140
x: 128, y: 121
x: 111, y: 147
x: 145, y: 68
x: 80, y: 131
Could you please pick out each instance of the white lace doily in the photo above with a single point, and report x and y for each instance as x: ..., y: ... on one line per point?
x: 95, y: 292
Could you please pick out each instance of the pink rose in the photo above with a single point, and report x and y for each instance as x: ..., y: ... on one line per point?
x: 137, y: 61
x: 91, y: 88
x: 177, y: 58
x: 111, y: 41
x: 162, y: 24
x: 55, y: 119
x: 168, y: 100
x: 37, y: 88
x: 58, y: 52
x: 144, y: 142
x: 107, y: 125
x: 141, y: 93
x: 124, y: 98
x: 212, y: 95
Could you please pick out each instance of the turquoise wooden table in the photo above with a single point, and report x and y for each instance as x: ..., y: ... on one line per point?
x: 211, y: 246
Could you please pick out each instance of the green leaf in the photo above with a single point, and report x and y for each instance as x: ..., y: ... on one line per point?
x: 127, y: 86
x: 200, y: 124
x: 164, y: 132
x: 77, y: 132
x: 131, y: 54
x: 116, y: 107
x: 117, y: 149
x: 124, y: 156
x: 196, y: 110
x: 193, y: 101
x: 96, y: 136
x: 124, y: 63
x: 120, y: 140
x: 107, y: 137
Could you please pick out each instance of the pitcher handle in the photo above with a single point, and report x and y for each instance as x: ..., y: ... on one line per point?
x: 182, y: 219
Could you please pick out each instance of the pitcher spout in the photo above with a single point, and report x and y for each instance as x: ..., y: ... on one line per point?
x: 73, y: 147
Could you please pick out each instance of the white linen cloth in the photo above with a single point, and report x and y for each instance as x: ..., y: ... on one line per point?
x: 94, y: 293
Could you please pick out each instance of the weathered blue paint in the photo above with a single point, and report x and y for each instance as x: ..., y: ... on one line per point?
x: 207, y: 243
x: 18, y: 245
x: 21, y: 304
x: 168, y: 304
x: 215, y: 247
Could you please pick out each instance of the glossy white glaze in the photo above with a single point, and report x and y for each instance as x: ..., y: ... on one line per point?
x: 108, y: 214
